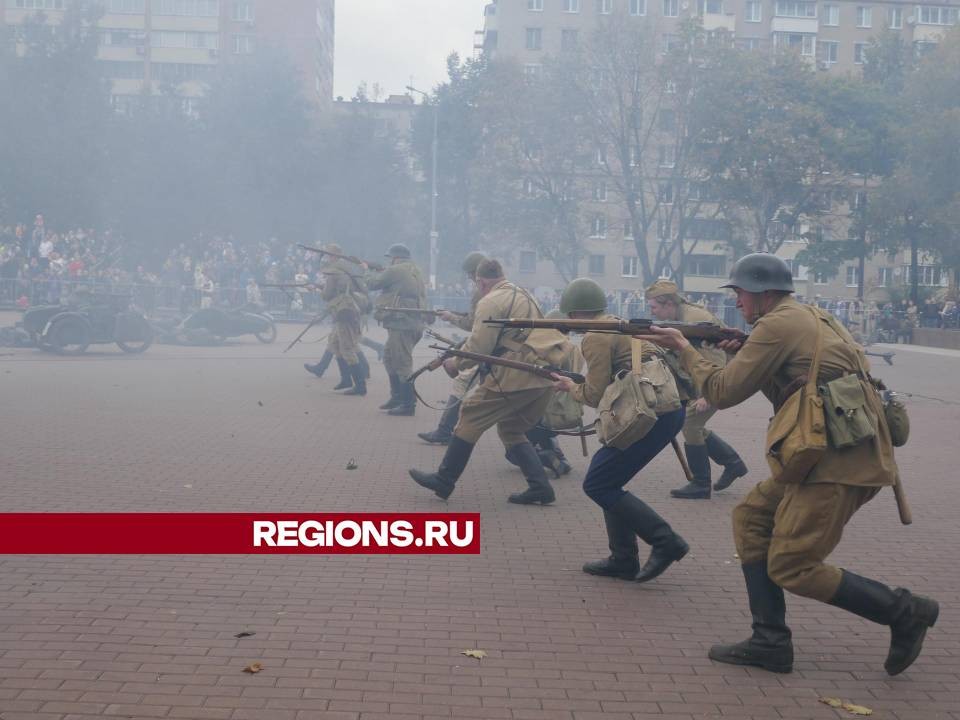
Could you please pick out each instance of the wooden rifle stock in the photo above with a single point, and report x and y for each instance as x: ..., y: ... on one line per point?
x: 544, y: 371
x: 348, y: 258
x: 692, y: 331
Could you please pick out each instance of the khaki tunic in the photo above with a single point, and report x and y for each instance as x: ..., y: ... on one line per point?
x: 338, y: 289
x: 605, y: 354
x: 795, y: 526
x: 513, y: 400
x: 400, y: 285
x: 695, y: 423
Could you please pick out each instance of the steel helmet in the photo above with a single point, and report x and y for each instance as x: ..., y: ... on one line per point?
x: 584, y: 295
x: 757, y: 272
x: 472, y: 261
x: 398, y: 250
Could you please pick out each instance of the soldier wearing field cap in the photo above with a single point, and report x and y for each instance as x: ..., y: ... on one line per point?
x: 341, y: 283
x: 788, y: 525
x: 400, y: 285
x: 701, y: 445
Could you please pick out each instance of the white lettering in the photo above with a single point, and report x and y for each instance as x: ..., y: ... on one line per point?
x: 402, y: 532
x: 372, y: 530
x: 263, y: 532
x: 311, y: 534
x: 467, y: 533
x: 287, y: 533
x: 435, y: 530
x: 340, y: 537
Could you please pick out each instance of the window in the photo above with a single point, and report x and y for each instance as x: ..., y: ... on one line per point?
x: 534, y: 38
x: 569, y: 39
x: 670, y: 87
x: 121, y: 38
x: 667, y: 156
x: 44, y: 5
x: 895, y: 18
x: 604, y: 7
x: 796, y: 8
x: 627, y: 230
x: 638, y: 7
x: 630, y: 266
x: 754, y: 11
x: 928, y: 275
x: 802, y: 42
x: 571, y: 6
x: 176, y: 73
x: 710, y: 7
x: 176, y: 39
x: 667, y: 120
x: 528, y: 261
x: 859, y: 51
x: 884, y: 276
x: 243, y: 44
x: 820, y: 278
x: 192, y: 8
x: 829, y: 51
x: 937, y: 15
x: 528, y: 187
x: 532, y: 71
x: 853, y: 276
x: 122, y: 70
x: 598, y: 228
x: 124, y: 7
x: 535, y: 5
x: 797, y: 271
x: 750, y: 43
x: 864, y: 16
x: 243, y: 10
x: 709, y: 229
x: 671, y: 8
x: 596, y: 264
x: 601, y: 155
x: 665, y: 193
x: 600, y: 191
x: 707, y: 265
x: 831, y: 15
x: 859, y: 200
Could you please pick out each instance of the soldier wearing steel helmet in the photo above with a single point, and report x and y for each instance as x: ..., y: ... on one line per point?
x: 626, y: 516
x: 463, y: 382
x: 400, y: 285
x: 784, y: 531
x: 700, y: 445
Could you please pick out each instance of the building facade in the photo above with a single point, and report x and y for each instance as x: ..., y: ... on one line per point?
x: 147, y: 46
x: 832, y: 34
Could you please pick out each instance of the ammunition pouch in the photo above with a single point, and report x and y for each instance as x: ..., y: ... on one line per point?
x: 845, y: 413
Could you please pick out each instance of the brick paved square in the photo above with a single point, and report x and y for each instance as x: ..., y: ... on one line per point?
x: 183, y: 429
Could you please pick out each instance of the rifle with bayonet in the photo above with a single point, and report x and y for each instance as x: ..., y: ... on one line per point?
x: 544, y: 371
x: 444, y: 339
x: 318, y: 319
x: 421, y: 311
x: 348, y: 258
x: 702, y: 331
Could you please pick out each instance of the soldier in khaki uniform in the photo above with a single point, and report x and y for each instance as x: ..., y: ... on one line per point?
x: 400, y: 285
x: 700, y: 445
x: 513, y: 400
x: 464, y: 380
x: 626, y: 516
x: 340, y: 285
x: 785, y: 531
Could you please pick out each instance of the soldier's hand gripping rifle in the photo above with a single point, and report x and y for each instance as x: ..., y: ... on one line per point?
x: 701, y: 331
x: 544, y: 371
x: 348, y: 258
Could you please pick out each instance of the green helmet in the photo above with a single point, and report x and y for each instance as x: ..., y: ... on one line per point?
x: 757, y: 272
x: 398, y: 250
x: 472, y: 261
x: 556, y: 314
x: 583, y: 294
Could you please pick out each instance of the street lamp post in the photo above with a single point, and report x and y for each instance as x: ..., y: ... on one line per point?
x: 435, y: 149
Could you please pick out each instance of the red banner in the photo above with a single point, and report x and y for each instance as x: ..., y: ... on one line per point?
x: 238, y: 533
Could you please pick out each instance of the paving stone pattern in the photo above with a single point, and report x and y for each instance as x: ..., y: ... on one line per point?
x: 182, y: 429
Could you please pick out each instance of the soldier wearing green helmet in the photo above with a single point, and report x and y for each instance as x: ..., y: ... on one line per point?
x: 785, y: 529
x: 626, y: 516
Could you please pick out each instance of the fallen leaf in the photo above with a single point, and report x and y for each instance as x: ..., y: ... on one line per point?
x: 832, y: 702
x: 478, y: 654
x: 245, y: 633
x: 188, y: 486
x: 849, y: 707
x: 253, y: 668
x: 352, y: 464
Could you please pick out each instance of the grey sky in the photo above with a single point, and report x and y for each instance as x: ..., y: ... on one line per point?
x: 390, y: 41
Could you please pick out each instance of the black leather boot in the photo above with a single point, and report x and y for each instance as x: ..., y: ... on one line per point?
x: 448, y: 421
x: 321, y: 367
x: 408, y: 401
x: 553, y: 458
x: 666, y: 546
x: 364, y: 364
x: 451, y: 468
x: 907, y: 615
x: 539, y: 490
x: 394, y: 392
x: 723, y: 454
x: 624, y: 560
x: 699, y: 462
x: 770, y: 646
x: 345, y: 378
x: 359, y: 376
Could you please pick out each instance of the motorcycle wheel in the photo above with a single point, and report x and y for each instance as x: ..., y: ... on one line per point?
x: 68, y: 336
x: 267, y: 336
x: 133, y: 333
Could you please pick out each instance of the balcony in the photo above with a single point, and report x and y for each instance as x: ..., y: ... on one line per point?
x: 807, y: 26
x: 717, y: 21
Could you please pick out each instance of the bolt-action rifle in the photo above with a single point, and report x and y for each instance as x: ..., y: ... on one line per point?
x: 544, y: 371
x: 887, y: 356
x: 702, y: 331
x: 348, y: 258
x: 444, y: 339
x: 421, y: 311
x: 318, y: 319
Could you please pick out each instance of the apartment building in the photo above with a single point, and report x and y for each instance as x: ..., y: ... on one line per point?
x: 147, y: 46
x: 832, y: 34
